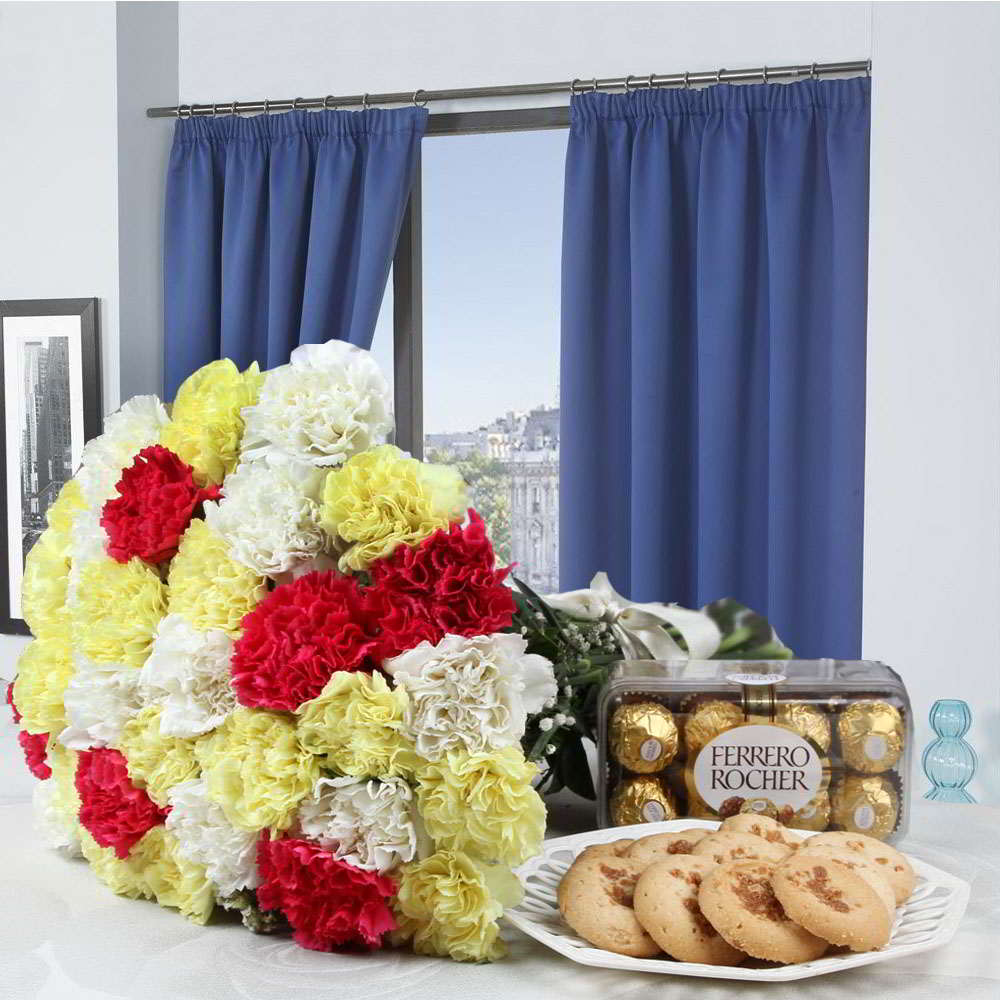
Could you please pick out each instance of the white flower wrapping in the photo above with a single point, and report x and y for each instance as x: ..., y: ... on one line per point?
x: 187, y: 673
x: 328, y: 403
x: 369, y: 824
x: 206, y: 837
x: 473, y: 694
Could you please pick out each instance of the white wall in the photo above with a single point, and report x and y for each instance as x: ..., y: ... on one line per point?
x: 932, y: 491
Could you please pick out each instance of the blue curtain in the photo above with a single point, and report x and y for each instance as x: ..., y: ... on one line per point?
x: 713, y: 350
x: 280, y: 231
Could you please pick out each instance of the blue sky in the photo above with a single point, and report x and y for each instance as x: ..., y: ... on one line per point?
x: 492, y: 216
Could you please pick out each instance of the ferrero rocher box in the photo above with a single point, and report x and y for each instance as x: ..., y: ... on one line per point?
x: 817, y: 744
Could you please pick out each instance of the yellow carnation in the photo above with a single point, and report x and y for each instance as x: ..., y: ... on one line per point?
x: 255, y: 769
x: 356, y: 725
x: 207, y: 588
x: 43, y: 671
x: 62, y: 511
x: 65, y: 802
x: 117, y: 608
x: 449, y: 904
x: 43, y: 586
x: 484, y: 804
x: 156, y: 762
x: 381, y: 498
x: 206, y: 425
x: 121, y: 875
x: 172, y: 879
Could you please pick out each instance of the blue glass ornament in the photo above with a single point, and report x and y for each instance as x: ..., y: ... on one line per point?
x: 949, y: 762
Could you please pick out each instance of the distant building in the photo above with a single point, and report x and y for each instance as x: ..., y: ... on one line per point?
x: 527, y: 444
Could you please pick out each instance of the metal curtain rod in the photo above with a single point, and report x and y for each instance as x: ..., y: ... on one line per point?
x: 421, y: 97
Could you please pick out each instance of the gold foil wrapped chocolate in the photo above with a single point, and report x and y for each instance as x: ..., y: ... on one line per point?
x: 708, y: 719
x: 643, y: 736
x: 642, y: 799
x: 760, y: 807
x: 868, y: 805
x: 810, y: 722
x: 871, y: 736
x: 814, y: 815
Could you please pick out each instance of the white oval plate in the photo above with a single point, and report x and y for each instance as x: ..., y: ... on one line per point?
x: 928, y: 919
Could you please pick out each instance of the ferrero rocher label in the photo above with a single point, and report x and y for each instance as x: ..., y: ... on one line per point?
x: 814, y: 815
x: 643, y: 736
x: 708, y: 720
x: 808, y: 721
x: 642, y: 799
x: 868, y: 805
x: 871, y: 736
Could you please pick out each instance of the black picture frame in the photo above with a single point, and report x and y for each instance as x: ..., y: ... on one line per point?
x: 87, y: 312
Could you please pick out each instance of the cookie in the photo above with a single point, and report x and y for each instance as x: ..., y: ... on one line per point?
x: 614, y: 849
x: 662, y: 845
x: 833, y: 901
x: 897, y: 870
x: 761, y: 826
x: 666, y: 904
x: 731, y: 845
x: 595, y: 899
x: 738, y: 901
x: 859, y: 863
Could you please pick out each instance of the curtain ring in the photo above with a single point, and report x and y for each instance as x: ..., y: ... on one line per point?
x: 765, y: 75
x: 718, y: 76
x: 416, y: 94
x: 232, y: 109
x: 267, y: 106
x: 651, y: 85
x: 364, y: 103
x: 295, y: 103
x: 215, y: 110
x: 329, y: 103
x: 593, y: 85
x: 572, y: 86
x: 813, y: 75
x: 628, y: 84
x: 687, y: 80
x: 181, y: 109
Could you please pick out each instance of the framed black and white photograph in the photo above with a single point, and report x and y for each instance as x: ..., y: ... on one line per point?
x: 51, y: 385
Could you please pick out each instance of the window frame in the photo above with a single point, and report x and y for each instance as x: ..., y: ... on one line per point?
x: 407, y: 263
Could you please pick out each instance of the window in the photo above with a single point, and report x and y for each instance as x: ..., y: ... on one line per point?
x: 479, y: 265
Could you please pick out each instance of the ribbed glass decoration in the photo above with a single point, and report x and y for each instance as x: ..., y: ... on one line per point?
x: 949, y: 762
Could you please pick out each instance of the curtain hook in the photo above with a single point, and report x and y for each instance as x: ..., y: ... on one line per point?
x: 628, y: 84
x: 267, y: 106
x: 295, y: 103
x: 329, y: 103
x: 651, y: 84
x: 765, y: 72
x: 364, y: 103
x: 416, y: 94
x: 232, y: 108
x: 813, y: 75
x: 593, y: 86
x: 687, y: 80
x: 718, y: 76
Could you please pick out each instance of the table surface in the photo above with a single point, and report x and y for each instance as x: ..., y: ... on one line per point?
x: 64, y: 935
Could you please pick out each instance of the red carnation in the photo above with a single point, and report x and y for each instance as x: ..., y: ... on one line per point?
x: 112, y: 809
x: 34, y: 746
x: 449, y: 584
x: 10, y: 701
x: 328, y: 902
x: 157, y: 498
x: 298, y: 637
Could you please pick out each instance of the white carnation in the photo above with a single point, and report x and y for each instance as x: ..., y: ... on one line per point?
x: 187, y: 672
x: 206, y: 837
x: 473, y: 694
x: 369, y: 824
x: 51, y: 822
x: 328, y: 403
x: 135, y: 426
x: 100, y: 698
x: 88, y: 542
x: 269, y: 517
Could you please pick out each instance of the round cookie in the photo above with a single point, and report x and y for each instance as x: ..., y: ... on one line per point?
x: 832, y: 901
x: 897, y: 870
x: 666, y: 904
x: 761, y: 826
x: 662, y: 845
x: 739, y: 903
x: 614, y: 849
x: 858, y: 863
x: 595, y: 899
x: 732, y: 845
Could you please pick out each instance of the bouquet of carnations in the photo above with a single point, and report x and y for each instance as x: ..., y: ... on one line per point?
x: 274, y: 668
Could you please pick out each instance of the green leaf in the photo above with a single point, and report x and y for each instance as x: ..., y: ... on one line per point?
x: 574, y: 769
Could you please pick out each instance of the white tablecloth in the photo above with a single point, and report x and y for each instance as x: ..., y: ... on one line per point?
x: 63, y: 935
